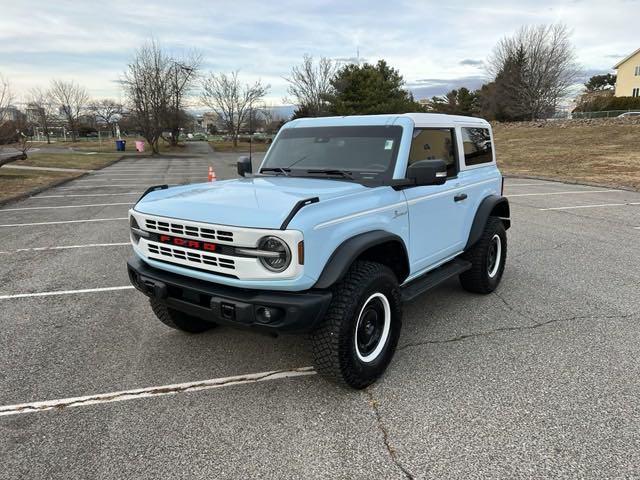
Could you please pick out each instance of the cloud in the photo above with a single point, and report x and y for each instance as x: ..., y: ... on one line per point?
x: 472, y: 63
x: 436, y: 47
x: 430, y: 87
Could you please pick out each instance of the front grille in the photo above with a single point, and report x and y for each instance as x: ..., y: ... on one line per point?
x: 188, y: 230
x: 189, y: 255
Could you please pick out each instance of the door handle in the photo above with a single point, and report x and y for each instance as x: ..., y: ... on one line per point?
x: 460, y: 197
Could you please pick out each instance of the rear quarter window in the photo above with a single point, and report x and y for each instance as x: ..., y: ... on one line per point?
x: 477, y: 146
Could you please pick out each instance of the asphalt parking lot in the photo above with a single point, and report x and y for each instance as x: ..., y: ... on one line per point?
x: 539, y: 380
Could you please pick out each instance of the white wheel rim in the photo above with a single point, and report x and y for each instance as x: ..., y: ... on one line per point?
x: 385, y: 330
x: 498, y: 243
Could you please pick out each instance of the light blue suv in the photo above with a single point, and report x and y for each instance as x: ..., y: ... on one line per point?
x: 346, y: 218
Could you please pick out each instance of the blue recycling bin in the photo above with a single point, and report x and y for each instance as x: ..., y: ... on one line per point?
x: 120, y: 145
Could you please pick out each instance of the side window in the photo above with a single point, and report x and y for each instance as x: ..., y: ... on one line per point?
x: 435, y: 144
x: 477, y: 146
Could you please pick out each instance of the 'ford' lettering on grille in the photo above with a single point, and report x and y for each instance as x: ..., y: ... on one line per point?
x: 183, y: 242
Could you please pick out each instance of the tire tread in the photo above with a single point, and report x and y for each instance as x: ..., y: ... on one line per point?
x: 329, y: 353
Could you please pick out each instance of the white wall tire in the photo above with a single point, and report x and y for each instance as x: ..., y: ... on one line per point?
x: 371, y: 331
x: 368, y: 293
x: 494, y: 257
x: 488, y: 258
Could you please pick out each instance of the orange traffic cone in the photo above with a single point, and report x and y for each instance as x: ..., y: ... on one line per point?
x: 212, y: 175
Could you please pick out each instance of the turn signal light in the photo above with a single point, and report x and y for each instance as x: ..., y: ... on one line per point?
x: 301, y: 252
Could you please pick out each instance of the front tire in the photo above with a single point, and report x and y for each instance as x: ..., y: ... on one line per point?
x: 359, y: 334
x: 179, y: 320
x: 488, y: 257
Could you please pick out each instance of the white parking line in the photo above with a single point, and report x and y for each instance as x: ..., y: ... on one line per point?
x: 158, y: 391
x: 137, y: 172
x: 165, y: 171
x: 150, y: 179
x: 593, y: 206
x: 562, y: 193
x: 65, y: 247
x: 63, y: 206
x: 77, y: 187
x: 65, y: 292
x: 119, y: 177
x: 86, y: 195
x: 64, y: 221
x: 530, y: 184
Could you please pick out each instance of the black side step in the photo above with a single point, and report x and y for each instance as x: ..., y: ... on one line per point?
x: 433, y: 278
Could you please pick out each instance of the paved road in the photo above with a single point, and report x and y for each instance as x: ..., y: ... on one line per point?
x: 539, y: 380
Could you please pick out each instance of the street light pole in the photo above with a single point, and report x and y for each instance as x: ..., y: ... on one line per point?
x: 250, y: 129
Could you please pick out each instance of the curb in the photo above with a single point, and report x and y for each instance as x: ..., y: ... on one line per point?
x: 57, y: 183
x: 574, y: 182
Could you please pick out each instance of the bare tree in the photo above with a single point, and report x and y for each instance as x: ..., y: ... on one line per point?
x: 106, y: 111
x: 538, y: 64
x: 41, y: 107
x: 10, y: 123
x: 5, y: 101
x: 72, y: 99
x: 231, y: 100
x: 310, y: 85
x: 24, y: 134
x: 182, y: 75
x: 14, y: 129
x: 148, y: 91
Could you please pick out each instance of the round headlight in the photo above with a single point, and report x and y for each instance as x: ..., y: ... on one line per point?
x: 280, y: 257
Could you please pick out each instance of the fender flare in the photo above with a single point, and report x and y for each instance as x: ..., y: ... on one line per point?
x: 346, y: 253
x: 482, y: 216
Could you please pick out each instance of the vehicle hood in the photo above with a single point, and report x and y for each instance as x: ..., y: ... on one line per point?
x: 260, y: 202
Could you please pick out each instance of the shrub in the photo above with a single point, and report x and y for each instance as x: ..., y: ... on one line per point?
x: 604, y: 103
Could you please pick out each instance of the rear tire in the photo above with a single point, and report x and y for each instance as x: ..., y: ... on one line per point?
x: 487, y: 257
x: 179, y: 320
x: 359, y: 334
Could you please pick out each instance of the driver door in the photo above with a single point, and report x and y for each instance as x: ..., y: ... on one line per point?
x: 436, y: 212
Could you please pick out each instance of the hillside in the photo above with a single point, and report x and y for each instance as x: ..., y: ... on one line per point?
x: 603, y: 151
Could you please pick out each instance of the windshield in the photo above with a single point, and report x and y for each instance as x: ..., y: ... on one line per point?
x: 358, y: 153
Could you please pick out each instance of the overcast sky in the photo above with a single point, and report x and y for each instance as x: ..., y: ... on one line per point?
x: 436, y: 45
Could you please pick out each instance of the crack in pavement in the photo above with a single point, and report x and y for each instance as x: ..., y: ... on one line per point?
x: 514, y: 329
x: 153, y: 391
x: 536, y: 250
x: 373, y: 403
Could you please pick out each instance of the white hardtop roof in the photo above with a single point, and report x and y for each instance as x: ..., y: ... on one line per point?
x: 419, y: 120
x: 423, y: 119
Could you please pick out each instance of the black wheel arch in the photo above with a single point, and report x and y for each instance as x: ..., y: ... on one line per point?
x: 377, y: 245
x: 491, y: 206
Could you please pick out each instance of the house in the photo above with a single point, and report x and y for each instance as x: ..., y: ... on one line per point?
x: 628, y: 82
x: 10, y: 114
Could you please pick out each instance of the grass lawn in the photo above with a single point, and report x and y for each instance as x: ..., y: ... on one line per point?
x: 601, y: 154
x: 69, y: 160
x: 14, y: 181
x: 107, y: 146
x: 242, y: 147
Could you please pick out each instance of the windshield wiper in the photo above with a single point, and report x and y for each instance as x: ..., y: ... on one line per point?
x: 342, y: 173
x: 284, y: 171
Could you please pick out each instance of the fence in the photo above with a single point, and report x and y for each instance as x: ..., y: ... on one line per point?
x: 60, y: 134
x: 604, y: 114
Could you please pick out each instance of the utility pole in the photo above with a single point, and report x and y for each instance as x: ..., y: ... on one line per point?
x: 250, y: 130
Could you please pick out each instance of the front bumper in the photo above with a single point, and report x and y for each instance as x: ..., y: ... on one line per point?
x: 291, y: 312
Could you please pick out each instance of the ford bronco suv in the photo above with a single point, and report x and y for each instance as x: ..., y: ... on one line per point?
x: 345, y: 219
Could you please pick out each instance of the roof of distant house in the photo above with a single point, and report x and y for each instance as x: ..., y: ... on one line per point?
x: 617, y: 65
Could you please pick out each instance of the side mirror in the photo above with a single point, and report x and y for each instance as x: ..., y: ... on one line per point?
x: 428, y: 172
x: 244, y: 166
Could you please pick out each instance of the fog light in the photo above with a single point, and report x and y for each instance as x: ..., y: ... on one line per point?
x: 268, y: 314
